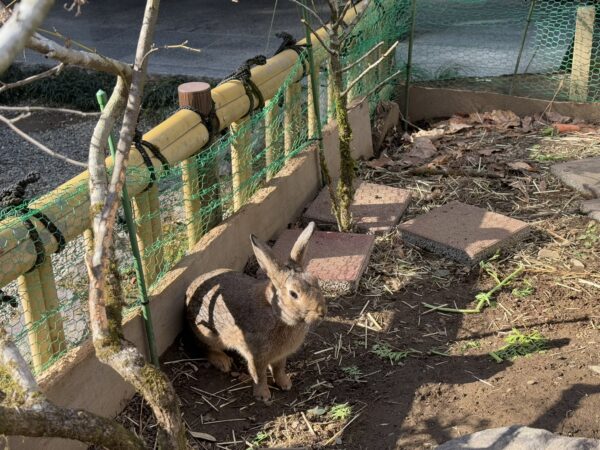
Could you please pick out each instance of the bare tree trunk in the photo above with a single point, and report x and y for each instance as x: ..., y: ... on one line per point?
x: 106, y: 298
x: 24, y: 410
x: 18, y: 28
x: 345, y: 188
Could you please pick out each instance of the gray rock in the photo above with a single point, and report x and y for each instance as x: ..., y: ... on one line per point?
x: 518, y: 438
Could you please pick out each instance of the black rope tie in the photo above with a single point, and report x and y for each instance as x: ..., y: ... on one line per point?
x: 210, y: 120
x: 289, y: 43
x: 244, y: 75
x: 13, y: 203
x: 141, y: 145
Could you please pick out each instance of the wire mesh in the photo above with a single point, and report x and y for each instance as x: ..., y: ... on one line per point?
x: 527, y: 48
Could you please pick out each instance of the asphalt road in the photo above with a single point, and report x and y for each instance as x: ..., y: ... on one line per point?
x: 228, y: 33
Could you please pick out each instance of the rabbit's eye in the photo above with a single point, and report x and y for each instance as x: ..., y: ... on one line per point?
x: 294, y: 294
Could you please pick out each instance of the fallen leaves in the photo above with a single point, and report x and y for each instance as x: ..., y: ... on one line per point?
x: 422, y: 148
x: 520, y: 166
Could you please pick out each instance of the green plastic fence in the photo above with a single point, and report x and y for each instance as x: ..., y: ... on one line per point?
x: 212, y: 190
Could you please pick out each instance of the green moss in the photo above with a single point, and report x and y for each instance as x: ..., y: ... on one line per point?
x: 155, y: 380
x: 14, y: 395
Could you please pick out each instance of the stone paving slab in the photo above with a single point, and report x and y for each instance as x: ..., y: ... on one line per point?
x: 591, y: 208
x: 338, y: 260
x: 376, y: 208
x: 582, y: 175
x: 463, y: 232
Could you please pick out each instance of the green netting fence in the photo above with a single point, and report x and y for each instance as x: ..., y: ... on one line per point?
x: 44, y: 304
x: 543, y: 49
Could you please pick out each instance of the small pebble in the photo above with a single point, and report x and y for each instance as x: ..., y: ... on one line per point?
x: 577, y: 266
x: 549, y: 254
x: 531, y: 382
x: 595, y: 369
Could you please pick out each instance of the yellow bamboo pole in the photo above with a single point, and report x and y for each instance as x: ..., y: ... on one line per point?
x: 292, y: 117
x: 51, y: 306
x: 241, y: 163
x: 178, y: 137
x: 141, y: 211
x: 273, y: 142
x: 312, y: 118
x: 191, y: 201
x: 156, y: 226
x: 38, y: 333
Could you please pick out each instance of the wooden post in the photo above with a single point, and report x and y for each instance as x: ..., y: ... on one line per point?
x: 38, y: 333
x: 273, y: 144
x: 582, y: 53
x: 241, y: 162
x: 197, y: 97
x: 51, y: 306
x: 156, y: 226
x: 292, y: 120
x: 141, y: 211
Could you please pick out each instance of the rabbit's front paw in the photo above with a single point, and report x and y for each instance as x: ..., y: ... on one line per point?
x: 262, y: 393
x: 283, y: 381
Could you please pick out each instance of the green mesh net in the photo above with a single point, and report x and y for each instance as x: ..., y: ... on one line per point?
x: 45, y: 309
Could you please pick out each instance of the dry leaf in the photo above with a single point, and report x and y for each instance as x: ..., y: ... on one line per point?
x: 489, y: 151
x: 383, y: 161
x: 520, y: 165
x: 556, y: 117
x: 204, y: 436
x: 422, y: 148
x: 432, y: 134
x: 503, y: 119
x: 457, y: 123
x: 527, y: 123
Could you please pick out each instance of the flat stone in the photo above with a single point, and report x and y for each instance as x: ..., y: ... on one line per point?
x: 462, y: 232
x: 582, y: 175
x: 376, y: 207
x: 519, y: 438
x: 338, y: 260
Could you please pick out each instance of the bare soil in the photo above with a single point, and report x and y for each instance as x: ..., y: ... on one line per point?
x: 438, y: 380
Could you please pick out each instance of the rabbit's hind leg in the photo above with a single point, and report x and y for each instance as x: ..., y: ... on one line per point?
x: 281, y: 378
x: 219, y: 359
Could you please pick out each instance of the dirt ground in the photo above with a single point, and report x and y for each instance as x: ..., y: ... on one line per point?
x: 385, y: 372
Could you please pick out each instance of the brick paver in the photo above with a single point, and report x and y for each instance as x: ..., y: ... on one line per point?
x: 462, y: 232
x: 337, y: 259
x: 376, y: 208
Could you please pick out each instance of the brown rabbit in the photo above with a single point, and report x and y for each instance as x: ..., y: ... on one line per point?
x: 263, y: 320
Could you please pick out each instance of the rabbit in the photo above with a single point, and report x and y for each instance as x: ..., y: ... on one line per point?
x: 264, y: 320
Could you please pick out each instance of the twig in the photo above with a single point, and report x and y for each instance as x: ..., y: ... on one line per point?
x: 311, y: 11
x: 38, y: 144
x: 44, y: 108
x: 182, y: 46
x: 368, y: 69
x: 311, y: 429
x: 48, y: 73
x: 359, y: 60
x: 335, y: 436
x: 383, y: 83
x: 325, y: 46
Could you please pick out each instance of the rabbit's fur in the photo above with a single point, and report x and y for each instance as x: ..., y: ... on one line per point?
x: 263, y: 320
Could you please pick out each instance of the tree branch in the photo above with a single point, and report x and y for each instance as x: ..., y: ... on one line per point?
x: 85, y: 59
x: 323, y: 44
x: 369, y: 68
x: 362, y: 58
x: 48, y: 73
x: 38, y: 144
x: 311, y: 11
x: 106, y: 298
x: 26, y: 412
x: 29, y: 109
x: 18, y: 28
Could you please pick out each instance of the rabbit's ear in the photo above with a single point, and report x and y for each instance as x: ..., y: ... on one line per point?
x: 265, y: 257
x: 299, y: 248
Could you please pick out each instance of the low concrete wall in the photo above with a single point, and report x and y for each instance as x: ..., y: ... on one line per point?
x: 79, y: 380
x: 428, y: 103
